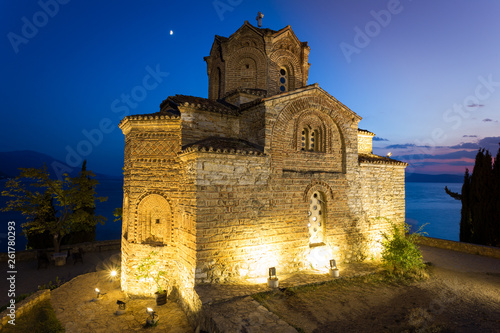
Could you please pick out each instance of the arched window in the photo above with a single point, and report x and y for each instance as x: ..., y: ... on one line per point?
x: 219, y: 83
x: 311, y: 140
x: 283, y: 79
x: 305, y: 139
x: 316, y: 139
x: 317, y: 217
x: 154, y: 218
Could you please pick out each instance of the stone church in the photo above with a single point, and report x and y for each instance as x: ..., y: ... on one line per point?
x: 268, y: 171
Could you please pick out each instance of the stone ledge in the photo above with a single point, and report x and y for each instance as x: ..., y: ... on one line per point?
x: 482, y: 250
x: 24, y: 306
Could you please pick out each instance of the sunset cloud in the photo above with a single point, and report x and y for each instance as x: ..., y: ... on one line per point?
x: 439, y: 159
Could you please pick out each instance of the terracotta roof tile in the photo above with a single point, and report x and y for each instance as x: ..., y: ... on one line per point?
x: 225, y: 145
x: 218, y: 106
x: 365, y: 132
x: 376, y: 159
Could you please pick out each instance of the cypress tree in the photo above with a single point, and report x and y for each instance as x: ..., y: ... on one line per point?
x: 496, y: 200
x: 480, y: 197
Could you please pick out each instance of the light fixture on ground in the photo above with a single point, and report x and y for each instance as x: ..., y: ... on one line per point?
x: 153, y: 317
x: 121, y: 307
x: 97, y: 296
x: 272, y: 281
x: 334, y: 271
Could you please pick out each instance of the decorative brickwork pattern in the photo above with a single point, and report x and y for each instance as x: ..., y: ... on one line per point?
x: 252, y: 58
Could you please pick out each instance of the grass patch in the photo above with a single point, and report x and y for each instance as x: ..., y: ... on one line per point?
x: 18, y: 299
x: 40, y: 319
x: 322, y: 291
x: 367, y: 281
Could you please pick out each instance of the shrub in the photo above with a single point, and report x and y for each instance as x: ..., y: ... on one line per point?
x: 52, y: 285
x: 400, y: 255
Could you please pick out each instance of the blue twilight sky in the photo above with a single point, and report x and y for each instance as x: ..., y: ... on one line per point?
x: 424, y: 75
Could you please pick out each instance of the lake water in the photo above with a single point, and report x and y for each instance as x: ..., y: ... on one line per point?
x: 429, y: 203
x: 425, y: 203
x: 113, y: 189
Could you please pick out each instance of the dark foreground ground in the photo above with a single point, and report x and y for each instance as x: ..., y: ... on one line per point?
x: 461, y: 295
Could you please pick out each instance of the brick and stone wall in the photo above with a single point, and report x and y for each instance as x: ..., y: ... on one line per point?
x: 252, y: 58
x: 365, y: 143
x: 159, y: 209
x: 232, y: 215
x: 198, y: 125
x: 382, y: 194
x: 252, y: 126
x: 212, y: 213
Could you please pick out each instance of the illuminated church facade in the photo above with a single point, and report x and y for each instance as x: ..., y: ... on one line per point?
x: 267, y: 171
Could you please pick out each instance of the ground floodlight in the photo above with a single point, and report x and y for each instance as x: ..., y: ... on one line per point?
x: 334, y: 271
x: 272, y: 281
x: 153, y: 317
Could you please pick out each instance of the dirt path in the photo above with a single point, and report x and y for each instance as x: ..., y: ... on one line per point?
x: 462, y: 295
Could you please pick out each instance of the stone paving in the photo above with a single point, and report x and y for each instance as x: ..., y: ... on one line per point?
x: 77, y: 309
x: 226, y: 307
x: 229, y: 307
x: 213, y: 293
x: 245, y: 315
x: 29, y: 277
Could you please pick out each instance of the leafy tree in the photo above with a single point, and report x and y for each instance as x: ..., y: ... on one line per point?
x: 45, y: 212
x: 37, y: 196
x: 480, y: 197
x: 118, y: 214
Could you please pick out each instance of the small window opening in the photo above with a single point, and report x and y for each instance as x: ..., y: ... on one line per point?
x: 283, y: 80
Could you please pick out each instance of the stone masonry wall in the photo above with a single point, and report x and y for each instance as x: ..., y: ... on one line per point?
x: 245, y: 227
x: 249, y: 219
x: 153, y: 171
x: 365, y: 143
x: 383, y: 200
x: 198, y: 125
x: 252, y: 213
x: 253, y: 59
x: 252, y: 125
